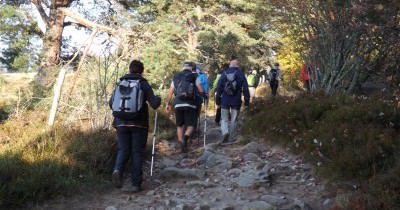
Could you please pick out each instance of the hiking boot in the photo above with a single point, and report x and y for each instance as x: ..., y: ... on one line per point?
x: 185, y: 144
x: 131, y: 189
x: 184, y: 147
x: 117, y: 179
x: 225, y: 138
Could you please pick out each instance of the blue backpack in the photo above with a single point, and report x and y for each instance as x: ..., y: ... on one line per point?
x: 204, y: 82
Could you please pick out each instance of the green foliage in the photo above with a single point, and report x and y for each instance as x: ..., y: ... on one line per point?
x: 360, y: 34
x: 208, y: 32
x: 347, y: 138
x: 18, y: 32
x: 5, y: 111
x: 161, y: 61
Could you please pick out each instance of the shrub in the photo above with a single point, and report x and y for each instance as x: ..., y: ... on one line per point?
x: 45, y: 163
x: 346, y: 137
x: 23, y: 181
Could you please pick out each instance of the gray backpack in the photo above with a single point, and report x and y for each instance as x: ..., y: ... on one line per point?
x: 127, y: 99
x: 230, y: 86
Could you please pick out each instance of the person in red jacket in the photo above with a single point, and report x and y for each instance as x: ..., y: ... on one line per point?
x: 305, y: 76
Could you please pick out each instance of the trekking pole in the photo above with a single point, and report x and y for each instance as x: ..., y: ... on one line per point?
x: 205, y: 122
x: 215, y: 105
x: 198, y: 128
x: 154, y: 140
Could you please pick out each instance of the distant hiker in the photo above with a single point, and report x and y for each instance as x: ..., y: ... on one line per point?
x: 273, y: 77
x: 217, y: 120
x: 229, y: 92
x: 195, y: 132
x: 131, y: 119
x: 305, y: 76
x: 252, y: 81
x: 202, y: 76
x: 224, y: 67
x: 263, y: 76
x: 185, y: 86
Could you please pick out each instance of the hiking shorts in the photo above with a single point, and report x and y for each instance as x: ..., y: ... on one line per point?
x: 185, y: 116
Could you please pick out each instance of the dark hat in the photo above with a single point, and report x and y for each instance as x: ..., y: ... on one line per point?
x: 188, y: 66
x: 233, y: 57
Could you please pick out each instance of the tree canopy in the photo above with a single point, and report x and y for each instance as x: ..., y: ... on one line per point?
x: 19, y: 33
x: 346, y: 42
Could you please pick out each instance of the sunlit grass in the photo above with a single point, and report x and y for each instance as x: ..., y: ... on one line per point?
x: 38, y: 163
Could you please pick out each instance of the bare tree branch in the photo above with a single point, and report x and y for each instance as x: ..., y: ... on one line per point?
x: 87, y: 23
x: 69, y: 23
x: 42, y: 12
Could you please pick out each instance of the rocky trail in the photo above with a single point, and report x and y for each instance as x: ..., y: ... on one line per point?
x: 232, y: 176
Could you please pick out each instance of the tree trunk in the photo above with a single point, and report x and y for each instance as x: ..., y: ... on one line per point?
x: 51, y: 49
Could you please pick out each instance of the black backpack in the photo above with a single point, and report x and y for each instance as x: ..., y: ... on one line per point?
x: 127, y: 99
x: 230, y: 85
x: 185, y: 87
x: 273, y: 74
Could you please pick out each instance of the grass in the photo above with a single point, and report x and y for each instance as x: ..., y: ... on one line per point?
x: 347, y: 138
x: 38, y: 163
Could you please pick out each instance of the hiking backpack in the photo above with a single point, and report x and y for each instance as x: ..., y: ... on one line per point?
x: 127, y: 99
x: 273, y: 74
x: 251, y: 80
x: 230, y: 86
x: 185, y: 88
x: 204, y: 82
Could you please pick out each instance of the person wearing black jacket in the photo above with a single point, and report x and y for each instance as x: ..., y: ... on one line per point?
x: 185, y: 109
x: 132, y: 134
x: 217, y: 120
x: 274, y: 76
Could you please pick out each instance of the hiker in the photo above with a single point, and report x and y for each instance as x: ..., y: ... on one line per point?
x: 229, y: 92
x: 217, y: 120
x: 185, y: 86
x: 204, y: 84
x: 132, y: 130
x: 305, y: 76
x: 273, y: 77
x: 202, y: 76
x: 263, y: 77
x: 252, y: 81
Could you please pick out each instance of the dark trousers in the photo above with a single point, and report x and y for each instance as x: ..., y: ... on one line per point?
x: 218, y: 115
x: 198, y: 112
x: 307, y: 85
x: 131, y: 144
x: 274, y: 87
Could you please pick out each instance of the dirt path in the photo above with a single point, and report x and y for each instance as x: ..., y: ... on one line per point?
x: 235, y: 176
